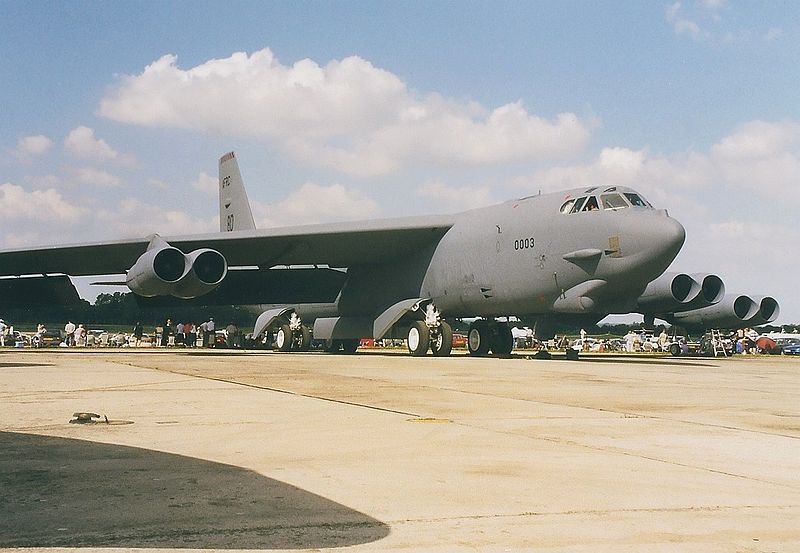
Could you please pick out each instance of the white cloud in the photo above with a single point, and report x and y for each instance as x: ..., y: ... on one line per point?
x: 312, y: 203
x: 681, y: 24
x: 20, y: 207
x: 131, y: 218
x: 758, y: 156
x: 206, y: 184
x: 761, y: 156
x: 82, y: 143
x: 773, y: 34
x: 348, y: 114
x: 703, y: 22
x: 455, y: 198
x: 94, y: 177
x: 30, y: 146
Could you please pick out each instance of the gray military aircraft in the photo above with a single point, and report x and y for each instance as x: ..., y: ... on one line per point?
x: 573, y: 256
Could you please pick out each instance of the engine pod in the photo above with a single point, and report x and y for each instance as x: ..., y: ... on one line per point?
x: 157, y: 271
x: 207, y: 270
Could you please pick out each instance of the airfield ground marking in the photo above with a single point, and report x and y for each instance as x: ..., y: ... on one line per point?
x: 279, y: 390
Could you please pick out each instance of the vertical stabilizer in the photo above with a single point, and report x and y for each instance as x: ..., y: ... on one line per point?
x: 234, y: 208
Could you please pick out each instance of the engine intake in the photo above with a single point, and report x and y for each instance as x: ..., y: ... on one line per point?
x: 157, y: 271
x: 768, y: 311
x: 734, y: 311
x: 207, y: 270
x: 164, y: 270
x: 669, y: 292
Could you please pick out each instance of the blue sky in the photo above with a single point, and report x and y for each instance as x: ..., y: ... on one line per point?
x: 404, y: 108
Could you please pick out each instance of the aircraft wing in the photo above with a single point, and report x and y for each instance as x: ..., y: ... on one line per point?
x: 336, y: 245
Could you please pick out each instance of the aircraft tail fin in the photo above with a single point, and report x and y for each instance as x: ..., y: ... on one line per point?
x: 234, y: 207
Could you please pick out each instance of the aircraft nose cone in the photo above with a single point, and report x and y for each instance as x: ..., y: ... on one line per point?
x: 651, y: 240
x: 666, y: 234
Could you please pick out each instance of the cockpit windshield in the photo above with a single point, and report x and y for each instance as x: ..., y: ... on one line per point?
x: 609, y: 199
x: 636, y: 200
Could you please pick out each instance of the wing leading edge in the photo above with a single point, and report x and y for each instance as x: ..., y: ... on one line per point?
x: 336, y: 245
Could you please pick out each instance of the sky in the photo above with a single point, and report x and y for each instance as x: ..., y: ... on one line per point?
x: 113, y: 116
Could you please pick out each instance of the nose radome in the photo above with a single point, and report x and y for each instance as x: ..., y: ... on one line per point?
x: 670, y: 231
x: 653, y: 238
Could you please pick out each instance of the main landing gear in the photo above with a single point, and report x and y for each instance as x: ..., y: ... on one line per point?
x: 430, y: 333
x: 489, y: 336
x: 292, y: 335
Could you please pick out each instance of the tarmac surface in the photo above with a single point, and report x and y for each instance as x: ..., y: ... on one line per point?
x: 383, y: 452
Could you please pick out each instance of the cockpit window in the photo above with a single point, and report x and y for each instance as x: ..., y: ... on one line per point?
x: 567, y: 206
x: 591, y: 204
x: 578, y: 204
x: 613, y: 201
x: 636, y: 200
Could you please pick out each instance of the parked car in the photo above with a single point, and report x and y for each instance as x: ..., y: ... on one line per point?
x: 791, y: 347
x: 459, y: 340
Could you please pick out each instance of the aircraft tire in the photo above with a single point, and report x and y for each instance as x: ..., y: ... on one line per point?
x: 304, y: 342
x: 350, y: 345
x: 442, y: 344
x: 478, y: 338
x: 332, y: 346
x: 419, y: 339
x: 283, y: 338
x: 502, y: 342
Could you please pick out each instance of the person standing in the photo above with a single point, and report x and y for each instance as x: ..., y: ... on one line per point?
x: 232, y: 335
x: 210, y: 332
x: 3, y: 332
x: 80, y: 336
x: 69, y: 330
x: 166, y: 333
x: 190, y: 338
x: 138, y: 331
x: 663, y: 339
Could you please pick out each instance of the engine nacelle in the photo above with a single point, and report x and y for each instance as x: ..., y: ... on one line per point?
x: 712, y: 290
x: 768, y: 311
x: 157, y: 270
x: 207, y: 270
x: 734, y: 311
x: 164, y: 270
x: 669, y: 292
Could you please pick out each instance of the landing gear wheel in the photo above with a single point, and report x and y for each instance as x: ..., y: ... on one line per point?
x: 502, y: 340
x: 419, y: 339
x: 283, y: 338
x: 303, y: 342
x: 350, y: 345
x: 333, y: 346
x: 478, y: 338
x: 442, y: 343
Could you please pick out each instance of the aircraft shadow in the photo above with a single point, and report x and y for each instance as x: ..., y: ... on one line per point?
x: 59, y: 492
x: 19, y: 365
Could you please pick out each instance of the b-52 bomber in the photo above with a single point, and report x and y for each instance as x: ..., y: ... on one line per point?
x: 566, y: 257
